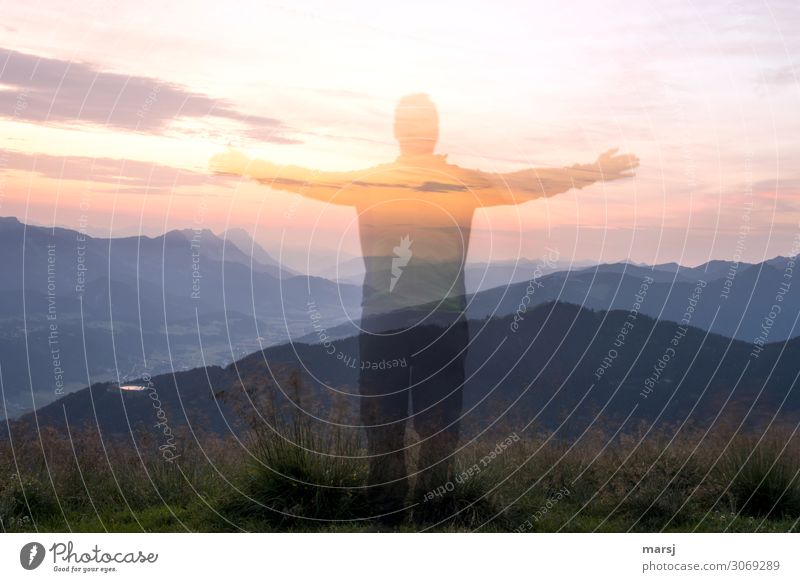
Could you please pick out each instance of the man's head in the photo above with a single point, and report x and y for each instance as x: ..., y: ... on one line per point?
x: 416, y: 125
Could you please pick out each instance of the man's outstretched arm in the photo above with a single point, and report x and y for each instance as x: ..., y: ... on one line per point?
x: 525, y: 185
x: 334, y: 187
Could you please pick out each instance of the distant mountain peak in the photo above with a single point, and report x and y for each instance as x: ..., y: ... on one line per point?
x: 191, y: 233
x: 244, y: 241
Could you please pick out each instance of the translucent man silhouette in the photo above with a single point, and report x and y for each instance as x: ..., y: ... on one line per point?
x: 422, y: 196
x: 415, y: 215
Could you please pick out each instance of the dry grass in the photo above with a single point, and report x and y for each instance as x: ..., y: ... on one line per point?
x: 288, y: 473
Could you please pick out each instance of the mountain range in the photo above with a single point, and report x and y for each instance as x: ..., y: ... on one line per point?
x: 76, y: 310
x: 561, y: 369
x: 731, y: 299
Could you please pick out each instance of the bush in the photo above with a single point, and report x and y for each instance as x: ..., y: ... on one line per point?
x: 292, y: 476
x: 24, y: 499
x: 762, y: 478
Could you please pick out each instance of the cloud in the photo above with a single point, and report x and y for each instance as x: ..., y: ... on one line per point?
x: 127, y: 176
x: 785, y: 75
x: 41, y: 90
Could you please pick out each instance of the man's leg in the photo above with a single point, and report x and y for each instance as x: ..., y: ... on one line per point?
x: 384, y: 410
x: 437, y: 377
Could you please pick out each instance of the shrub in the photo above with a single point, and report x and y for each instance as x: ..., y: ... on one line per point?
x: 762, y: 478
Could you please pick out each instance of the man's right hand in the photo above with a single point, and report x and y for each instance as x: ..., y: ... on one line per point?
x: 613, y: 166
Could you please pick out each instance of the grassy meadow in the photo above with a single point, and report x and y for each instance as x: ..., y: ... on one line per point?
x: 295, y: 478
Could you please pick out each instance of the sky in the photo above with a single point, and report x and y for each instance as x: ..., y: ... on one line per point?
x: 110, y: 111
